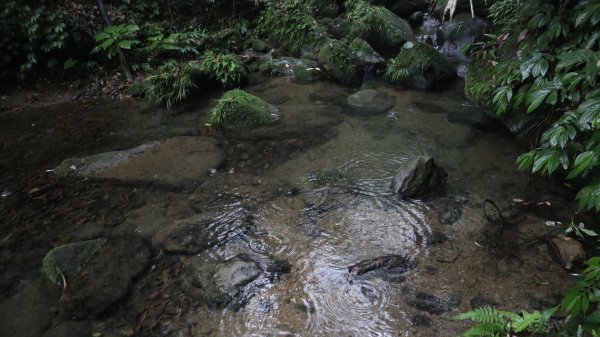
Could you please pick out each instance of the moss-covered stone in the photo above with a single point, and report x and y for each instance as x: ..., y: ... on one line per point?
x: 257, y: 45
x: 363, y: 51
x: 69, y: 259
x: 239, y: 109
x: 421, y: 66
x: 304, y: 70
x: 340, y: 63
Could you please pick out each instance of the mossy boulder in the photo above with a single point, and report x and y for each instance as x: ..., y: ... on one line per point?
x: 383, y: 29
x: 304, y: 70
x: 404, y: 8
x: 340, y: 64
x: 257, y: 45
x: 239, y: 109
x: 363, y: 51
x: 69, y: 259
x: 420, y: 66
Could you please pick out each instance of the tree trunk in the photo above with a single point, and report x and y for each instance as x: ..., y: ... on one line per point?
x: 122, y: 61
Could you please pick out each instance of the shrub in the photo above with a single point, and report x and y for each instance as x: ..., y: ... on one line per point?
x: 223, y: 67
x: 289, y: 24
x: 170, y: 83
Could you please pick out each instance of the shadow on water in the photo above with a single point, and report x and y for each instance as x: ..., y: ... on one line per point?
x: 278, y: 221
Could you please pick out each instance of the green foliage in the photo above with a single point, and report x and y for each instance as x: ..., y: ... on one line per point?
x: 114, y: 37
x: 239, y: 109
x: 187, y: 42
x: 555, y: 76
x: 582, y: 300
x: 413, y: 59
x: 290, y: 24
x: 31, y: 34
x: 498, y: 323
x: 225, y: 68
x: 170, y: 83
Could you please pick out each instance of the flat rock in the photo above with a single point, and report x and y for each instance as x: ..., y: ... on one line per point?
x: 70, y: 329
x: 189, y: 236
x: 430, y: 303
x: 370, y: 102
x: 173, y: 161
x: 418, y: 177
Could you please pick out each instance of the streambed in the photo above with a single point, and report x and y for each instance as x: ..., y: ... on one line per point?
x: 292, y: 206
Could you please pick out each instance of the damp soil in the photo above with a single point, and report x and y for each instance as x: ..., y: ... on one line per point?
x: 303, y: 199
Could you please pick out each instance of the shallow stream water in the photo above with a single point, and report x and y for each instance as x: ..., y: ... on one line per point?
x: 314, y: 190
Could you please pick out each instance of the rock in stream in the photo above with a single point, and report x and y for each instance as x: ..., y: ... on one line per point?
x: 418, y: 177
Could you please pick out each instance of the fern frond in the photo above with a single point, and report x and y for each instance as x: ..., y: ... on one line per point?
x: 526, y: 320
x: 485, y: 330
x: 484, y: 315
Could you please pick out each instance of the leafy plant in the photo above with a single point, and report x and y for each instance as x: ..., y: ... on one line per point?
x: 290, y: 24
x: 552, y: 74
x: 114, y: 37
x: 31, y: 34
x: 498, y: 323
x: 170, y: 83
x: 225, y: 68
x: 582, y: 300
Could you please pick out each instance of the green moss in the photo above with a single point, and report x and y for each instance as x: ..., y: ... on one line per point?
x: 238, y: 109
x: 419, y: 64
x: 479, y: 83
x: 69, y: 259
x: 340, y: 63
x: 171, y: 83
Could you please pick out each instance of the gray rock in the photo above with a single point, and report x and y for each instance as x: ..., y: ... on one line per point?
x: 418, y: 177
x: 302, y: 69
x: 370, y: 102
x: 388, y: 262
x: 567, y: 251
x: 216, y: 283
x: 26, y: 314
x: 105, y: 278
x: 173, y: 161
x: 69, y: 259
x: 363, y: 51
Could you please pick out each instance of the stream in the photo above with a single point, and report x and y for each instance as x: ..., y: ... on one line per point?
x: 291, y: 205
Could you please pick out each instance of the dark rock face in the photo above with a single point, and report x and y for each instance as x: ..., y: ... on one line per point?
x: 340, y: 64
x: 27, y: 313
x: 105, y: 278
x: 363, y: 51
x: 370, y: 102
x: 418, y: 177
x: 70, y: 329
x: 190, y: 236
x: 430, y: 303
x: 567, y: 251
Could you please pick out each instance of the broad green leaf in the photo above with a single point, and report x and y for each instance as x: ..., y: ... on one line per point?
x: 583, y: 161
x: 107, y: 43
x: 70, y: 63
x: 126, y: 44
x: 537, y: 97
x: 589, y: 111
x: 546, y: 161
x: 525, y: 160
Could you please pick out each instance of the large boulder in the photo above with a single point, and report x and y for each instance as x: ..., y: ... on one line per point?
x: 340, y: 64
x: 97, y: 273
x: 151, y: 162
x: 239, y: 109
x: 417, y: 177
x: 460, y: 31
x: 370, y: 102
x: 420, y: 66
x: 387, y: 32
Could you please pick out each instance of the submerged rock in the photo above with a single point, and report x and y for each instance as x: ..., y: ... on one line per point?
x: 340, y: 64
x: 105, y: 276
x: 370, y: 102
x: 567, y: 251
x: 174, y: 161
x: 387, y: 262
x: 28, y: 313
x: 420, y: 66
x: 304, y: 70
x: 215, y: 283
x: 190, y: 236
x: 238, y: 109
x: 430, y: 303
x: 418, y: 177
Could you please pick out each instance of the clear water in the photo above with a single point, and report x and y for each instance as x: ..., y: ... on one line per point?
x: 342, y: 212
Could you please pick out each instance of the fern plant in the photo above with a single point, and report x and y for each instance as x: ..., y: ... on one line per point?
x: 582, y: 301
x: 492, y: 322
x: 170, y: 83
x: 223, y: 67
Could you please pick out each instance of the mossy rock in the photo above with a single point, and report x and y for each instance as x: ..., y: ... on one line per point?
x: 363, y: 51
x: 420, y: 66
x: 69, y: 259
x: 304, y: 70
x: 340, y: 63
x: 382, y: 29
x: 239, y: 109
x: 257, y: 45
